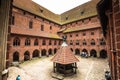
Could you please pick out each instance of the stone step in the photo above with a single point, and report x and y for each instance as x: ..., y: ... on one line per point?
x: 57, y: 76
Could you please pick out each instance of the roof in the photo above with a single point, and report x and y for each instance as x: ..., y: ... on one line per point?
x: 83, y: 11
x: 83, y: 27
x: 31, y: 32
x: 34, y: 8
x: 64, y: 55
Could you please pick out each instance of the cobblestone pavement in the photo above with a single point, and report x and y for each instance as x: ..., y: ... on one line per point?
x: 42, y: 69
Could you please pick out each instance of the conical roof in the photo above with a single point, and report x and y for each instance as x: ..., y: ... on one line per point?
x: 64, y: 55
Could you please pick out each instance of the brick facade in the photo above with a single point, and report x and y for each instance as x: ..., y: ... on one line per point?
x: 25, y: 25
x: 88, y: 29
x: 112, y: 35
x: 19, y: 28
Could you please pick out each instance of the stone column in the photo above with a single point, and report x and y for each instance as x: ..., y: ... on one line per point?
x: 47, y: 53
x: 98, y: 53
x: 4, y: 21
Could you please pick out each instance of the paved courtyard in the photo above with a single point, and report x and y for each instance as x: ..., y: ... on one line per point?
x: 42, y: 69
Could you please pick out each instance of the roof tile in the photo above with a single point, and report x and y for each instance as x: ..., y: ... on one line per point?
x: 83, y: 11
x: 64, y: 56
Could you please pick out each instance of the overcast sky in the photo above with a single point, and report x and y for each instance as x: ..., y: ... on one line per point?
x: 60, y: 6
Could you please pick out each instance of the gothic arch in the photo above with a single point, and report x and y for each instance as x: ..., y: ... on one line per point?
x: 26, y: 55
x: 16, y: 56
x: 103, y: 53
x: 85, y: 50
x: 50, y: 51
x: 93, y: 53
x: 77, y: 51
x: 35, y: 53
x: 16, y: 41
x: 55, y: 50
x: 43, y: 52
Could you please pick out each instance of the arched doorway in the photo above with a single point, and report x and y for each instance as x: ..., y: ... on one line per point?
x: 15, y: 56
x: 35, y: 53
x: 103, y: 53
x: 26, y: 56
x: 55, y: 50
x: 77, y: 51
x: 93, y: 53
x: 85, y: 51
x: 50, y: 51
x: 43, y: 52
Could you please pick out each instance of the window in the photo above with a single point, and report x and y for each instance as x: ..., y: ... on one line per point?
x: 102, y: 42
x: 82, y: 12
x: 43, y: 42
x: 66, y: 18
x: 77, y: 42
x: 24, y: 13
x: 70, y: 35
x: 71, y: 42
x: 13, y: 20
x: 55, y: 43
x: 30, y: 25
x: 36, y: 42
x: 16, y: 42
x: 41, y: 10
x: 84, y: 34
x: 59, y: 42
x: 84, y: 42
x: 50, y: 27
x: 50, y: 42
x: 42, y: 27
x: 27, y: 42
x: 76, y: 35
x: 92, y: 42
x: 92, y: 33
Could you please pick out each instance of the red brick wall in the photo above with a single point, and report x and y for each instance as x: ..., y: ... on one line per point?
x: 116, y: 22
x: 97, y: 35
x: 113, y: 39
x: 22, y: 19
x: 22, y: 48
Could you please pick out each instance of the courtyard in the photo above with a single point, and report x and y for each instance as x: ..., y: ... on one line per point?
x: 42, y: 69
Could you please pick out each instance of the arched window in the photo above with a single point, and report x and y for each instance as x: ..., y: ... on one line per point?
x: 16, y: 56
x: 102, y: 42
x: 84, y: 42
x: 42, y: 27
x: 43, y: 42
x: 36, y: 42
x: 55, y: 42
x: 92, y: 42
x: 27, y: 42
x: 30, y: 24
x: 77, y: 42
x: 16, y: 42
x: 50, y: 42
x: 71, y: 42
x: 50, y: 27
